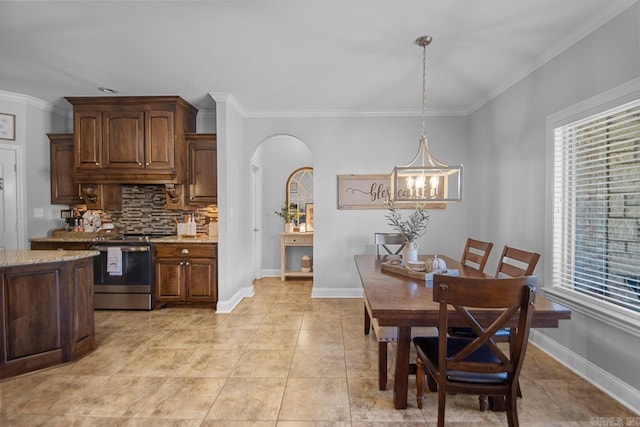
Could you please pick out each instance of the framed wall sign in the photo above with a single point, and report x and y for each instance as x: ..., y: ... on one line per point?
x: 7, y: 126
x: 370, y: 192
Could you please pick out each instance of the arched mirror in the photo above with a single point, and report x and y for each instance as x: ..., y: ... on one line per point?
x: 300, y: 194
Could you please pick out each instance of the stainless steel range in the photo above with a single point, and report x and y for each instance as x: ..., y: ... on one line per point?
x: 123, y: 273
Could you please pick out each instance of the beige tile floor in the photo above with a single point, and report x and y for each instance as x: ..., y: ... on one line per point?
x: 280, y: 359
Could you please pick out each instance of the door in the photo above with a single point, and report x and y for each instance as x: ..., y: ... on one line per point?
x: 169, y: 280
x: 160, y: 137
x: 123, y: 139
x: 201, y: 280
x: 256, y: 190
x: 88, y: 139
x: 8, y: 199
x: 203, y: 170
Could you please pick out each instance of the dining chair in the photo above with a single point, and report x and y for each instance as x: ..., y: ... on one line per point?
x: 392, y: 243
x: 386, y: 334
x: 476, y: 253
x: 516, y: 262
x: 476, y: 365
x: 513, y: 263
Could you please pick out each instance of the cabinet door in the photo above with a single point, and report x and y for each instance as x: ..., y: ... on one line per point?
x: 169, y: 280
x: 87, y: 140
x: 202, y: 188
x: 123, y: 139
x: 82, y: 305
x: 201, y: 280
x: 64, y: 191
x: 160, y: 141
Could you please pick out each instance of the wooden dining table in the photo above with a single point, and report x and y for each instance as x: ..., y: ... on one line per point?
x: 405, y: 302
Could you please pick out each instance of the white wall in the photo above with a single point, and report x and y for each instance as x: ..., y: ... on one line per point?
x: 364, y: 145
x: 507, y: 193
x: 34, y: 119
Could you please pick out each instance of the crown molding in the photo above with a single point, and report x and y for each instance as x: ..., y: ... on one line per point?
x: 230, y: 100
x: 350, y: 113
x: 33, y: 102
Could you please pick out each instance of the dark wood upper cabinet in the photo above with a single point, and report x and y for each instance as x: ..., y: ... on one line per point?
x: 64, y: 190
x: 123, y: 140
x: 202, y: 185
x: 132, y: 140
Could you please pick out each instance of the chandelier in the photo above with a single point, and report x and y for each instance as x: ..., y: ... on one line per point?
x: 426, y: 179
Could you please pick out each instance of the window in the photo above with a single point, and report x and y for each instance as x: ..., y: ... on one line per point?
x: 596, y: 208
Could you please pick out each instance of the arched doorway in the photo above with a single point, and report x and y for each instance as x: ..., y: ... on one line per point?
x: 272, y: 162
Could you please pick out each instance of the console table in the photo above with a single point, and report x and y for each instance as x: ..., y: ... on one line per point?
x: 288, y: 240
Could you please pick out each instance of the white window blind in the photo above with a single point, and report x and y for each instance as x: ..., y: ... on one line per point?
x: 596, y: 207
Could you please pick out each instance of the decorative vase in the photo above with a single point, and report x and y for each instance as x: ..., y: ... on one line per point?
x: 288, y: 227
x: 305, y: 264
x: 410, y: 252
x: 436, y: 264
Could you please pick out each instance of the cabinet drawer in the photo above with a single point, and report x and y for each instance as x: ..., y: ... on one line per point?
x: 186, y: 250
x: 298, y: 240
x: 66, y: 246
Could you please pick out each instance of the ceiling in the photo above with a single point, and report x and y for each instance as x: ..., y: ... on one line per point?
x: 284, y: 57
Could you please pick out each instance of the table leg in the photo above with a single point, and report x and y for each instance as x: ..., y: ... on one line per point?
x: 401, y: 380
x: 367, y: 321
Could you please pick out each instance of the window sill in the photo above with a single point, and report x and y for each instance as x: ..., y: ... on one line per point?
x: 621, y: 319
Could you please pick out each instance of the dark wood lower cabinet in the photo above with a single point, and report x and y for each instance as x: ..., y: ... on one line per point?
x: 48, y: 315
x: 185, y: 273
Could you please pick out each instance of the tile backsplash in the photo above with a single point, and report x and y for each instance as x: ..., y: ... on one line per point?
x: 143, y: 211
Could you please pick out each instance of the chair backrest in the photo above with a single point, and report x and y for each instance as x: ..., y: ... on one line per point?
x: 477, y: 253
x: 510, y: 303
x: 516, y: 262
x: 384, y: 240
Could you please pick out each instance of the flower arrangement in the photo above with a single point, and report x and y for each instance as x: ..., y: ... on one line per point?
x: 289, y: 215
x: 412, y: 228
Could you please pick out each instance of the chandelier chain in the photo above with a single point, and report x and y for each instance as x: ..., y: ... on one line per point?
x: 424, y: 91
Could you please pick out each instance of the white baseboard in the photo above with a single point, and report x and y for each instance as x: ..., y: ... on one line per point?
x: 227, y: 306
x: 613, y: 386
x: 271, y: 273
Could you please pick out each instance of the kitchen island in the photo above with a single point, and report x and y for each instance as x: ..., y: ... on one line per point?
x: 47, y: 318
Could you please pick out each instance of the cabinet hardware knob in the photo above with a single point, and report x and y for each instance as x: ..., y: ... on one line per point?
x: 147, y: 163
x: 187, y: 263
x: 185, y: 251
x: 139, y: 163
x: 97, y: 163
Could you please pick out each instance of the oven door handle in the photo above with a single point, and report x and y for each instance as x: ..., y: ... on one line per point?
x: 103, y: 248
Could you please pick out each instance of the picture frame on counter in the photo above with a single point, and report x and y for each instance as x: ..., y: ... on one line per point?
x: 8, y: 126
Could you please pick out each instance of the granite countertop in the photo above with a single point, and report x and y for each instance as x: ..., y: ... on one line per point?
x: 79, y: 238
x: 200, y: 238
x: 11, y: 257
x: 90, y: 237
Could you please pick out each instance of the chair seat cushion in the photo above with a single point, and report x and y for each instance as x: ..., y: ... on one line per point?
x: 427, y: 348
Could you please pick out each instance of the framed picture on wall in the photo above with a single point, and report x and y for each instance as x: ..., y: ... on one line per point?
x: 309, y: 216
x: 7, y: 126
x: 370, y: 192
